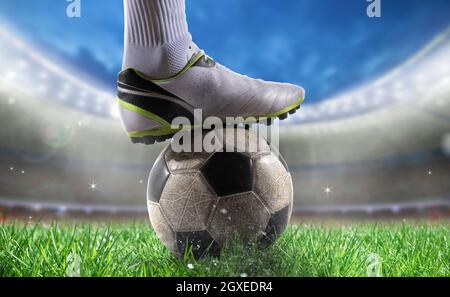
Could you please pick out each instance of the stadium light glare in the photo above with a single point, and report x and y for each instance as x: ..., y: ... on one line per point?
x: 67, y: 86
x: 10, y: 75
x: 415, y: 71
x: 307, y: 113
x: 398, y: 95
x: 19, y: 44
x: 100, y: 99
x: 323, y: 106
x: 93, y: 186
x: 362, y: 103
x: 42, y: 89
x: 99, y: 107
x: 419, y: 87
x: 327, y: 190
x: 114, y: 111
x: 304, y: 116
x: 380, y: 92
x: 81, y: 103
x: 43, y: 75
x: 18, y: 48
x: 399, y: 85
x: 22, y: 64
x: 419, y: 78
x: 347, y: 106
x: 332, y: 110
x: 62, y: 96
x: 444, y: 69
x: 376, y: 101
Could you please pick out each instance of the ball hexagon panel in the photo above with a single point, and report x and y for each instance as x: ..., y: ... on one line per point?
x: 276, y: 152
x: 202, y: 200
x: 161, y: 226
x: 157, y: 179
x: 242, y: 214
x: 272, y: 183
x: 200, y: 242
x: 276, y: 225
x: 187, y: 202
x: 179, y: 162
x: 228, y: 173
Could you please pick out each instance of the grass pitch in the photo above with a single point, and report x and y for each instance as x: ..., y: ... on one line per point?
x: 122, y: 249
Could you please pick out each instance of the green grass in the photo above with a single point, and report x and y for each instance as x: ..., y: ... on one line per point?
x: 401, y: 249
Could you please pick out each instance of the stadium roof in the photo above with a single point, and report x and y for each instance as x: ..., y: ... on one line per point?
x: 35, y: 73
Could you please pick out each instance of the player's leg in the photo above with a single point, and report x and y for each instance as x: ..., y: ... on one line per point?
x: 156, y: 39
x: 165, y: 75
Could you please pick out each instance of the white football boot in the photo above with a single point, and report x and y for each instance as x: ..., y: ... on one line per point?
x: 148, y: 106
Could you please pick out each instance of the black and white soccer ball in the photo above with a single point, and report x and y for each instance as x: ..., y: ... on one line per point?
x: 199, y: 201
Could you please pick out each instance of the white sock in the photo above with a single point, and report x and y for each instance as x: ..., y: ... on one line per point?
x: 157, y: 39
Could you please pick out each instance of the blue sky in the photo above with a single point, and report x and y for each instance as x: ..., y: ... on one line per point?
x: 326, y: 46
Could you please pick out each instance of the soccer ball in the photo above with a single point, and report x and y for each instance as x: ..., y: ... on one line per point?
x: 199, y: 201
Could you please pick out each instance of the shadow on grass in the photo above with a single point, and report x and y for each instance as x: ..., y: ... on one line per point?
x: 239, y: 259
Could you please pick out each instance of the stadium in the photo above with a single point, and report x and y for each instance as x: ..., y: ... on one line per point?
x: 388, y: 139
x: 370, y: 163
